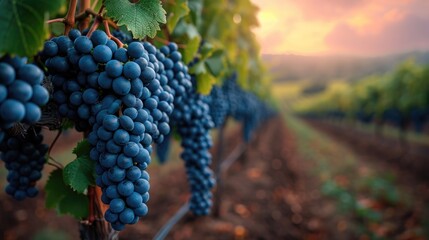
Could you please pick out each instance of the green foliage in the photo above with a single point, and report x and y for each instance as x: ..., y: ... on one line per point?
x: 141, y: 18
x: 62, y: 197
x: 219, y: 34
x: 74, y: 203
x: 79, y: 174
x: 54, y: 188
x: 23, y: 27
x: 215, y: 63
x: 176, y: 10
x: 65, y: 188
x: 82, y: 149
x: 405, y: 89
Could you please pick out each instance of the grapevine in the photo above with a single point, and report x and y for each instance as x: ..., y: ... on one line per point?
x: 125, y: 86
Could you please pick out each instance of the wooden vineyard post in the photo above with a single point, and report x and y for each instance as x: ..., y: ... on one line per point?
x: 218, y: 172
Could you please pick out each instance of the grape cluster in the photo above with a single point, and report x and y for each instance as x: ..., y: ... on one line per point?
x: 21, y: 92
x: 126, y: 123
x: 24, y: 158
x: 75, y: 63
x: 193, y: 122
x: 219, y: 106
x: 196, y: 142
x: 120, y: 148
x: 245, y: 107
x: 125, y: 109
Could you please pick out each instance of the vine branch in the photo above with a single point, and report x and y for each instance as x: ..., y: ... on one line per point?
x: 84, y: 8
x: 96, y: 23
x: 69, y: 19
x: 54, y: 163
x: 56, y: 20
x: 54, y: 141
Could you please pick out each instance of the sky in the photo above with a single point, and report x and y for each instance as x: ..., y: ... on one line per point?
x: 342, y: 27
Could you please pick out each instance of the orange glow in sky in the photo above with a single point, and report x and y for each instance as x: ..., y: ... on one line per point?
x: 351, y: 27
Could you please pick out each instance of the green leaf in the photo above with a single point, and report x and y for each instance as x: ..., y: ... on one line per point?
x: 141, y: 18
x: 22, y: 25
x: 205, y: 82
x: 215, y: 63
x: 63, y: 198
x: 54, y: 188
x: 196, y: 7
x: 82, y: 149
x: 198, y: 68
x: 79, y: 174
x: 191, y: 49
x: 176, y: 11
x: 74, y: 204
x: 206, y: 50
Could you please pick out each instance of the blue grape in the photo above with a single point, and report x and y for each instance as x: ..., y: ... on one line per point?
x: 12, y: 111
x: 20, y: 91
x: 99, y: 37
x: 102, y: 53
x: 32, y: 113
x: 31, y: 74
x: 135, y: 49
x: 50, y: 49
x: 87, y: 64
x: 132, y: 70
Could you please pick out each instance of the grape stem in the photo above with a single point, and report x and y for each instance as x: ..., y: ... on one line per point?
x: 115, y: 39
x: 56, y: 20
x: 84, y: 7
x: 54, y: 141
x: 54, y: 163
x: 96, y: 23
x: 69, y: 19
x: 94, y: 4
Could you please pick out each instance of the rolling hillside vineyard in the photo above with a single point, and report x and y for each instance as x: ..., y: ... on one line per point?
x: 131, y: 77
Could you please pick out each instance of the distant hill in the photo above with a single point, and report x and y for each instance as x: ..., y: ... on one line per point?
x: 326, y: 68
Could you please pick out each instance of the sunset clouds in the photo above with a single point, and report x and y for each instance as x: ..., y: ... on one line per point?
x: 353, y: 27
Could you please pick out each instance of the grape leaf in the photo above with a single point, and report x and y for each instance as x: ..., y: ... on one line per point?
x: 141, y: 18
x: 63, y: 198
x: 196, y: 7
x: 82, y: 149
x: 54, y: 188
x: 176, y: 11
x: 205, y: 81
x: 74, y: 204
x: 198, y: 68
x: 206, y: 49
x: 191, y: 49
x: 22, y: 25
x: 79, y: 174
x: 215, y: 63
